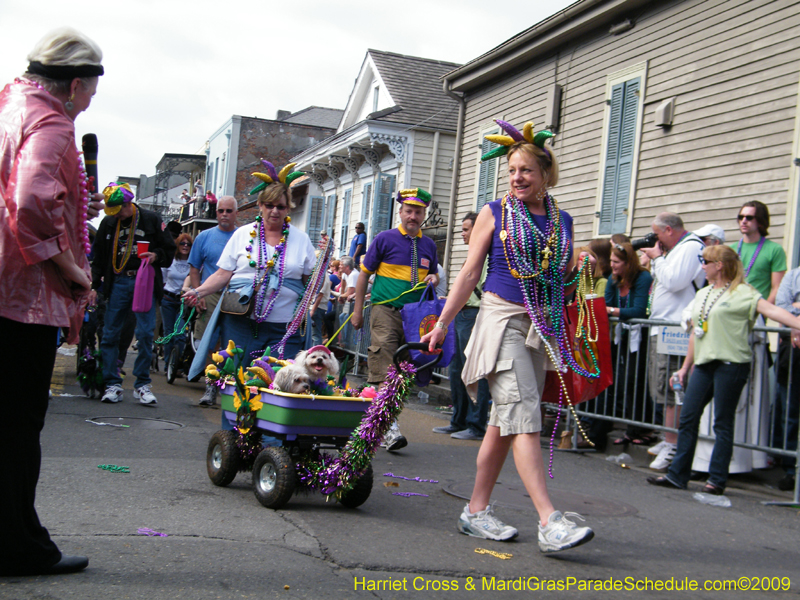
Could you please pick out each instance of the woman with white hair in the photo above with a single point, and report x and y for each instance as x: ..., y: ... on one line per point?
x: 44, y: 212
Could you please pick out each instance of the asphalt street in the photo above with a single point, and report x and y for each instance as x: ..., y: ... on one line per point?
x: 221, y: 543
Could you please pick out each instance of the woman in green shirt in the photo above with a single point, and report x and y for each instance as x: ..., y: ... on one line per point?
x: 723, y: 314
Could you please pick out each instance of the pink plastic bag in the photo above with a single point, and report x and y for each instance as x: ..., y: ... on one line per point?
x: 143, y: 290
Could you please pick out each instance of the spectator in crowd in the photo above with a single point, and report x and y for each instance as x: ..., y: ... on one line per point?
x: 441, y: 288
x: 390, y: 258
x: 712, y: 235
x: 269, y: 253
x: 677, y: 275
x: 45, y: 274
x: 358, y: 247
x: 723, y: 314
x: 331, y: 319
x: 601, y: 250
x: 202, y: 264
x: 211, y: 200
x: 174, y: 278
x: 114, y: 269
x: 787, y: 400
x: 764, y: 261
x: 349, y: 276
x: 469, y: 420
x: 626, y: 296
x: 199, y: 198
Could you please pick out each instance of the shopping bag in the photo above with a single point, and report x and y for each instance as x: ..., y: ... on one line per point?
x: 143, y: 288
x: 593, y: 341
x: 419, y: 318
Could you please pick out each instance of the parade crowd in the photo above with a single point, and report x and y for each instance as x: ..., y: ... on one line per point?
x: 243, y: 282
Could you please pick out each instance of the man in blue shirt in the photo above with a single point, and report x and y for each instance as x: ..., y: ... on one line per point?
x: 203, y: 259
x: 358, y: 247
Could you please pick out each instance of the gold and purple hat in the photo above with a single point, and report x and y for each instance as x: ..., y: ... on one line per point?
x: 514, y: 135
x: 286, y: 176
x: 415, y: 197
x: 117, y: 194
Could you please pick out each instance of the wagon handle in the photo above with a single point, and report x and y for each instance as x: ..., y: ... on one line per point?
x: 416, y: 346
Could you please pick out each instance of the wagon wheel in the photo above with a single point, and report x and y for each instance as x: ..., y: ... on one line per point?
x: 274, y: 477
x: 222, y: 458
x: 358, y: 494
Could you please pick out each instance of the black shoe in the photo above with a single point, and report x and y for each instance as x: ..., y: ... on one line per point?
x: 713, y: 490
x: 786, y: 484
x: 67, y: 564
x: 698, y: 476
x: 663, y: 482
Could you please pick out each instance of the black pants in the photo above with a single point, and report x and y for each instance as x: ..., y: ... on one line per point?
x: 24, y: 544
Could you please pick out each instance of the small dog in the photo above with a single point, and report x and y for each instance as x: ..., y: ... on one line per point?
x: 292, y: 379
x: 318, y: 362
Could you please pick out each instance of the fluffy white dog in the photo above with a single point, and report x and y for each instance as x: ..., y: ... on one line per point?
x: 292, y: 379
x: 318, y: 362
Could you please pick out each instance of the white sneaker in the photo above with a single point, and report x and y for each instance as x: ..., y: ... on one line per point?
x: 664, y: 458
x: 113, y: 394
x: 654, y: 450
x: 394, y: 440
x: 145, y: 396
x: 483, y: 524
x: 560, y: 533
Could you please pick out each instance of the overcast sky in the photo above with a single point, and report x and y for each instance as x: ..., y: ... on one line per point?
x: 176, y: 70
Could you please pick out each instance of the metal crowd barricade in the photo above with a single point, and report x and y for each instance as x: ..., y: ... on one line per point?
x: 766, y: 428
x: 355, y: 343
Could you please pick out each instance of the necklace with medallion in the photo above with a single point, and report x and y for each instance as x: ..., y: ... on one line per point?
x: 702, y: 322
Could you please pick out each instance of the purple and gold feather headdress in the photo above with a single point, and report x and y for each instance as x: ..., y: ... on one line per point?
x: 513, y: 136
x: 285, y: 176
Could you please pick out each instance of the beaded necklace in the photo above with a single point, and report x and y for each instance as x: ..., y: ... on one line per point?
x: 84, y: 186
x: 266, y: 296
x: 702, y: 322
x: 755, y: 254
x: 128, y: 243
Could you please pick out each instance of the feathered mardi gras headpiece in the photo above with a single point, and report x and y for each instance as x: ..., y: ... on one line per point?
x: 115, y: 196
x: 515, y: 136
x: 415, y: 196
x: 286, y: 176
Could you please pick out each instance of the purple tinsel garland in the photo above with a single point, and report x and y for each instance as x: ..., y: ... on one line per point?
x: 336, y: 475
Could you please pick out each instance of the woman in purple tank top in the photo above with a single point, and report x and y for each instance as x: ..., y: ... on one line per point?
x: 519, y: 330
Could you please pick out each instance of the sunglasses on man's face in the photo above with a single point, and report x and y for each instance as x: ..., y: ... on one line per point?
x: 224, y: 210
x: 745, y: 217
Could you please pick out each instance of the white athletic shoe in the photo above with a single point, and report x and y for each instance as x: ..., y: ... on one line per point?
x: 113, y: 394
x: 560, y: 533
x: 654, y: 450
x: 664, y: 458
x: 483, y: 524
x: 145, y: 396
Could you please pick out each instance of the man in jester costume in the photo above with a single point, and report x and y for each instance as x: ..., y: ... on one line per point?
x: 519, y: 330
x: 114, y: 268
x: 400, y: 258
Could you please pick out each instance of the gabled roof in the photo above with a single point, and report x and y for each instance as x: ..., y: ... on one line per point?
x: 415, y: 86
x: 317, y: 116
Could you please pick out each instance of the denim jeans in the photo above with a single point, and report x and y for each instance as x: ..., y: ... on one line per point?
x: 465, y: 413
x: 790, y: 422
x: 117, y: 310
x: 170, y: 309
x: 316, y: 327
x: 726, y: 381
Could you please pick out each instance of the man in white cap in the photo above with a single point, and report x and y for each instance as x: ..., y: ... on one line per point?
x: 712, y: 235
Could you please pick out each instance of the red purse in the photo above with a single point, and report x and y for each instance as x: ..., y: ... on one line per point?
x: 593, y: 346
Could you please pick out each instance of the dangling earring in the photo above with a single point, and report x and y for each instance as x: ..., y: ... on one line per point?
x: 69, y: 104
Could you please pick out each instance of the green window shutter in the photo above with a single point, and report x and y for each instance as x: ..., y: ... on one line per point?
x: 314, y: 226
x: 348, y: 196
x: 382, y: 206
x: 487, y: 174
x: 619, y: 157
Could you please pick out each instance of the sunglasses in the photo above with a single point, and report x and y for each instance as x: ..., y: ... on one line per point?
x: 745, y: 217
x: 278, y: 207
x: 224, y: 210
x: 705, y: 261
x: 186, y: 244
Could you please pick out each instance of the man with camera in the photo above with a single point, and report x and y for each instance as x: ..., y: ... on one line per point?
x: 677, y: 275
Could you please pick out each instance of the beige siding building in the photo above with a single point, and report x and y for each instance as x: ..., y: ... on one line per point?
x: 689, y: 106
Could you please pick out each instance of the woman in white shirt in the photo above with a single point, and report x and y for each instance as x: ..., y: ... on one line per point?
x: 174, y: 276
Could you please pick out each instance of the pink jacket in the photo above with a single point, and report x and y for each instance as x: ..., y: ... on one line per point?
x: 40, y: 209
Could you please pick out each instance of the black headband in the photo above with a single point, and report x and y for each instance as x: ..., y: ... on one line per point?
x: 64, y: 72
